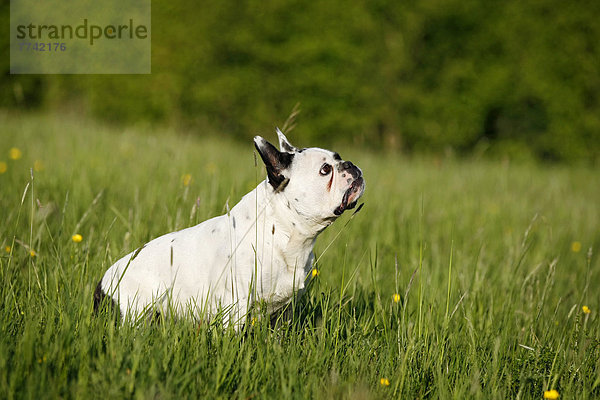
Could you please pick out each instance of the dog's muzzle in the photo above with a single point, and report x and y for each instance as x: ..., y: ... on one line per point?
x: 355, y: 190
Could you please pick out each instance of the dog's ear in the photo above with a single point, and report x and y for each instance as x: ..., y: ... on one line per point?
x: 284, y: 143
x: 275, y: 161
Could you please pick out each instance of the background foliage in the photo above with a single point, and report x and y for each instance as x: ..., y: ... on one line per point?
x: 511, y: 77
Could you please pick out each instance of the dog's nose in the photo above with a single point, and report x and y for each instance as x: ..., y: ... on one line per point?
x: 352, y: 169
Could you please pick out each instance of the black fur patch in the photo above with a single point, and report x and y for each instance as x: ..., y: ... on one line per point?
x: 99, y: 299
x: 275, y: 162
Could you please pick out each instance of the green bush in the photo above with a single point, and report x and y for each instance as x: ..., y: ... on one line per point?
x: 515, y: 76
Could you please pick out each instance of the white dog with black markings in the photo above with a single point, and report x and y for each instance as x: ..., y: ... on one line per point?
x: 260, y: 251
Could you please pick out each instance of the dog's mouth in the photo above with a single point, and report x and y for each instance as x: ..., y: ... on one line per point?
x: 351, y: 196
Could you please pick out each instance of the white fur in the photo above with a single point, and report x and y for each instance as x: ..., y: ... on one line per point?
x: 260, y: 251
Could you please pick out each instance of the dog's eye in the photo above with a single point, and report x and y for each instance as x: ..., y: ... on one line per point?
x: 325, y: 169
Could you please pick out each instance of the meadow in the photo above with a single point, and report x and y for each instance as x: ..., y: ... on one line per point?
x: 459, y: 278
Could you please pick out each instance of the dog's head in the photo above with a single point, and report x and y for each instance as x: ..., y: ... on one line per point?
x: 317, y: 183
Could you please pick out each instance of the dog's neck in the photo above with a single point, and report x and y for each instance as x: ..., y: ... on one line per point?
x: 300, y: 231
x: 294, y: 234
x: 303, y: 228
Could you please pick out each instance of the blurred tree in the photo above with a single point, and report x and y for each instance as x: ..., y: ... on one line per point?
x: 512, y: 76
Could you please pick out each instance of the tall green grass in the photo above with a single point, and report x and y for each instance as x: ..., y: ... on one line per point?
x: 458, y: 279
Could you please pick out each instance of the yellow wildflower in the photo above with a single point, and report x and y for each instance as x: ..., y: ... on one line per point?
x: 15, y: 153
x: 3, y: 167
x: 187, y: 179
x: 7, y: 249
x: 576, y: 247
x: 32, y: 253
x: 384, y: 382
x: 38, y: 166
x: 315, y: 272
x: 77, y: 238
x: 551, y: 394
x: 586, y: 310
x: 396, y: 297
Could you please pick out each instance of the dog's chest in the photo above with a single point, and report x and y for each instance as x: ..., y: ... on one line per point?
x: 289, y: 280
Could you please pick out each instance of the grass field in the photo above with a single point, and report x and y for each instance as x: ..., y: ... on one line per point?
x: 458, y: 279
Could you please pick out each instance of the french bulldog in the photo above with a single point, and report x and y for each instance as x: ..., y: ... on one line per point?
x: 259, y: 252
